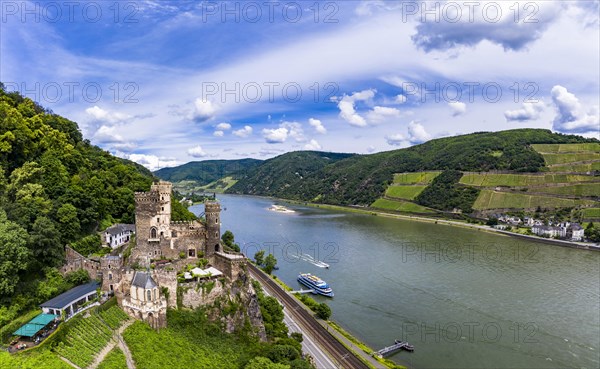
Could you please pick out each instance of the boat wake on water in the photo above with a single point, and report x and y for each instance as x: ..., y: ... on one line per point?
x: 310, y: 259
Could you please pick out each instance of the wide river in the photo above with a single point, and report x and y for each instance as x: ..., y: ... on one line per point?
x: 464, y: 298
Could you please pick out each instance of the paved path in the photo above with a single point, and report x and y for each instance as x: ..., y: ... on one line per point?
x: 349, y: 343
x: 68, y: 362
x: 117, y: 339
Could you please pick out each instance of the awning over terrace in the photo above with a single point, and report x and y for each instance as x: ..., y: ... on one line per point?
x: 35, y: 325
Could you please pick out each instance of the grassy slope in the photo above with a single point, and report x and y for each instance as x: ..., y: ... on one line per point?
x: 176, y: 349
x: 32, y: 360
x: 114, y: 360
x: 404, y: 192
x: 489, y: 199
x: 400, y: 206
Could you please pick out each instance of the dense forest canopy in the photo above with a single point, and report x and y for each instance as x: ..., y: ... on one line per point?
x: 56, y: 188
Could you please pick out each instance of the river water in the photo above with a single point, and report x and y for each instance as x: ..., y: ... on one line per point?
x: 464, y: 298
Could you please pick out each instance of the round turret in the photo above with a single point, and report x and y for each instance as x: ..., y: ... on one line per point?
x: 212, y: 211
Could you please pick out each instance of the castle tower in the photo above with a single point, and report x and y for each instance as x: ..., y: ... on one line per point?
x: 164, y: 210
x: 152, y: 219
x: 212, y: 211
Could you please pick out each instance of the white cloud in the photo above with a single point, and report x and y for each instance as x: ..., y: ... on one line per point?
x: 243, y: 132
x: 312, y: 145
x: 317, y: 125
x: 107, y: 134
x: 223, y: 127
x: 278, y: 135
x: 458, y: 108
x: 105, y: 116
x: 203, y: 111
x: 218, y: 133
x: 295, y: 130
x: 381, y: 114
x: 571, y: 117
x: 124, y: 146
x: 491, y: 21
x: 394, y: 140
x: 347, y: 110
x: 529, y: 111
x: 400, y: 99
x: 417, y: 133
x: 151, y: 162
x: 370, y: 149
x: 197, y: 152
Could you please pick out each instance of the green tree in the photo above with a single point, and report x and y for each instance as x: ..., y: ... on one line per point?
x: 228, y: 238
x: 259, y: 257
x: 592, y: 233
x: 53, y: 284
x: 272, y: 314
x: 297, y: 336
x: 283, y: 353
x: 77, y: 277
x: 492, y: 221
x: 260, y: 362
x: 180, y: 212
x: 300, y: 364
x: 323, y: 311
x: 45, y: 243
x: 68, y: 222
x: 270, y: 263
x: 14, y: 254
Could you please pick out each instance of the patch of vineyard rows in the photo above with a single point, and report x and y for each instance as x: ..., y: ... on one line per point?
x: 84, y: 340
x: 113, y: 317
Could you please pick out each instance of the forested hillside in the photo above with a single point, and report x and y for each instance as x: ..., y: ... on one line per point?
x: 55, y: 189
x: 361, y: 179
x: 205, y: 172
x: 284, y: 175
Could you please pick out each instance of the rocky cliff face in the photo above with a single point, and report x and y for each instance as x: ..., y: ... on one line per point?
x: 234, y: 304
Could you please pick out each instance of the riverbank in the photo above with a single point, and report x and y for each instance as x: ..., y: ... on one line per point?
x: 353, y: 344
x: 420, y: 218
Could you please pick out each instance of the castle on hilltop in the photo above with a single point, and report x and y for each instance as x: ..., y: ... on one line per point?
x: 145, y: 279
x: 158, y: 237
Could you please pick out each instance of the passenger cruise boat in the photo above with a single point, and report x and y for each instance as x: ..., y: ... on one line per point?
x: 316, y: 284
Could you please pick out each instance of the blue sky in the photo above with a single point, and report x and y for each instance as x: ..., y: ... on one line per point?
x: 167, y: 82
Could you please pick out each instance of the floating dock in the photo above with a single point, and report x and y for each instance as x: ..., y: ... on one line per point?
x: 398, y: 345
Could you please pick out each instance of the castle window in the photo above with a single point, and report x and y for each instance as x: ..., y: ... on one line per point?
x: 154, y: 293
x: 110, y: 276
x: 174, y: 234
x: 157, y: 219
x: 192, y: 253
x: 162, y: 208
x: 217, y: 248
x: 153, y: 233
x: 216, y: 220
x: 149, y: 295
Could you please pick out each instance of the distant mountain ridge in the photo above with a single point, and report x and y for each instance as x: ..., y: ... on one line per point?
x: 352, y: 179
x: 207, y: 171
